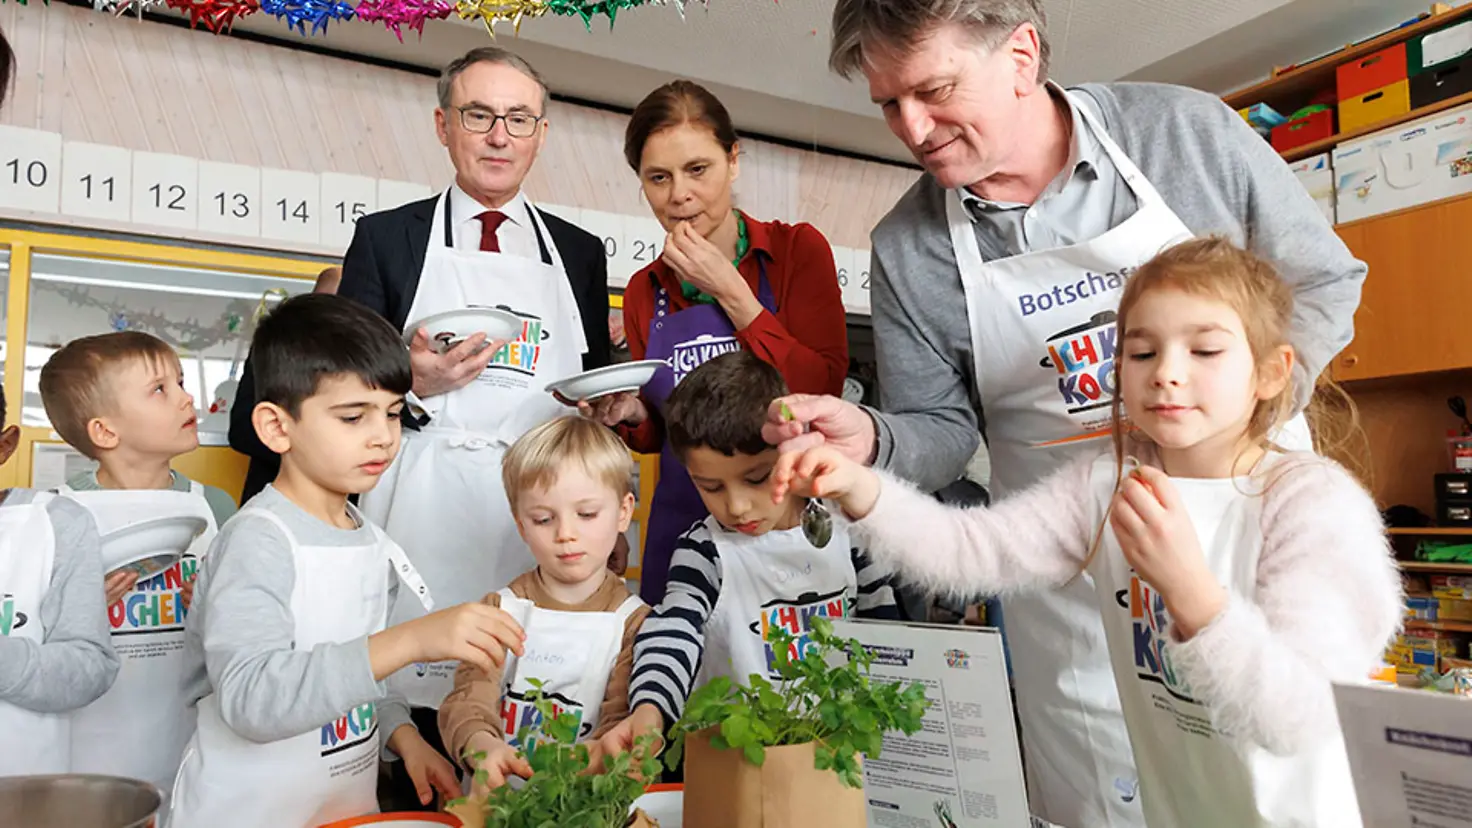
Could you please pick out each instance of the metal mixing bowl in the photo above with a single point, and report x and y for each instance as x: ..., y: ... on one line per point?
x: 77, y: 801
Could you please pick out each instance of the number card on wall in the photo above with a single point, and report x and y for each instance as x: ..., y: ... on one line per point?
x: 30, y: 169
x: 229, y: 199
x: 96, y: 181
x: 393, y: 194
x: 345, y: 199
x: 843, y: 263
x: 859, y: 282
x: 610, y: 228
x: 645, y: 239
x: 291, y: 206
x: 165, y: 190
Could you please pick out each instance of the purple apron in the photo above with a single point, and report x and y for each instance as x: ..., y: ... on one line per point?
x: 683, y: 340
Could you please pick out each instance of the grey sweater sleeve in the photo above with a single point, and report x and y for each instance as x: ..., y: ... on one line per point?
x: 393, y: 709
x: 1285, y: 227
x: 928, y: 430
x: 268, y: 691
x: 76, y: 664
x: 1221, y: 178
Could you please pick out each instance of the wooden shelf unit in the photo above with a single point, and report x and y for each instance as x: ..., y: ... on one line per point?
x: 1432, y: 530
x: 1440, y: 626
x: 1304, y: 81
x: 1443, y: 568
x: 1288, y: 91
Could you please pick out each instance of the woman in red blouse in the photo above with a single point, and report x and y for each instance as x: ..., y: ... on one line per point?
x: 724, y: 281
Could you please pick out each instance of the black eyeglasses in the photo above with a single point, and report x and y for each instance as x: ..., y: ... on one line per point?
x: 480, y: 120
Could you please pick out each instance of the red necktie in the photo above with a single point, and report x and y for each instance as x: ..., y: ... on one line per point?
x: 490, y: 221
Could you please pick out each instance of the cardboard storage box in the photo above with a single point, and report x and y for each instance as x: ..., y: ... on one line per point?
x: 1317, y: 176
x: 1424, y: 160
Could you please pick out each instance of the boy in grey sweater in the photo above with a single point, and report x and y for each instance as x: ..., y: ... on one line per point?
x: 55, y: 652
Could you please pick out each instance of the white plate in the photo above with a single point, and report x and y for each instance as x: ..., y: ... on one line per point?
x: 610, y: 379
x: 149, y: 547
x: 665, y: 807
x: 450, y: 328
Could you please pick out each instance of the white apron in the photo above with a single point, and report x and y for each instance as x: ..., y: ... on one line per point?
x: 1044, y: 339
x: 777, y: 580
x: 571, y: 653
x: 36, y: 743
x: 228, y: 781
x: 1191, y: 774
x: 139, y: 728
x: 442, y: 498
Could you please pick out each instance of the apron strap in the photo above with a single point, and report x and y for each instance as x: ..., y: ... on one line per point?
x: 536, y: 228
x: 630, y: 606
x: 541, y: 242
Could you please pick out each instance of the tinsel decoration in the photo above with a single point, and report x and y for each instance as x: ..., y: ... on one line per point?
x: 186, y: 335
x: 400, y: 14
x: 122, y: 7
x: 298, y: 13
x: 491, y: 12
x: 216, y: 15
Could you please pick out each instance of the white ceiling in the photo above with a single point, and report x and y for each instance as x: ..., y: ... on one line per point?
x: 768, y: 60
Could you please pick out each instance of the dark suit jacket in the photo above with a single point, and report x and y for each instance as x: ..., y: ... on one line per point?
x: 381, y: 270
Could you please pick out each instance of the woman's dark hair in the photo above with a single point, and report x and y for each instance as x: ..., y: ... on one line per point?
x: 675, y: 103
x: 722, y: 405
x: 314, y: 336
x: 7, y: 65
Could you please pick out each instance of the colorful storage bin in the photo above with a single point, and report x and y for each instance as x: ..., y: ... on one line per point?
x: 1449, y: 81
x: 1305, y: 130
x: 1375, y: 106
x: 1435, y: 50
x: 1371, y: 72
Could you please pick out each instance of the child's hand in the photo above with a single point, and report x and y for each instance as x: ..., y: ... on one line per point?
x: 824, y: 472
x: 1158, y: 540
x: 430, y: 771
x: 118, y: 584
x: 620, y: 738
x: 186, y: 593
x: 475, y: 633
x: 498, y: 765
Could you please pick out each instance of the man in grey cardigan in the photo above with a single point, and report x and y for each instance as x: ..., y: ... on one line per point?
x: 995, y: 280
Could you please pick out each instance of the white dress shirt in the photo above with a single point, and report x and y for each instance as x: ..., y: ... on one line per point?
x: 515, y: 235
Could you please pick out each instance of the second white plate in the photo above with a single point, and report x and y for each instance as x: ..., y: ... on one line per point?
x: 610, y: 379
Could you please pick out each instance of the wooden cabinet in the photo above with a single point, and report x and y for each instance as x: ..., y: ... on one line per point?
x: 1416, y: 312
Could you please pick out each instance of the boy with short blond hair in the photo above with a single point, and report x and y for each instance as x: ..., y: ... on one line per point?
x: 570, y: 483
x: 118, y: 398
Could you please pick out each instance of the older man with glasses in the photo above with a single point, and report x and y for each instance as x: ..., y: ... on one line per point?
x: 479, y: 244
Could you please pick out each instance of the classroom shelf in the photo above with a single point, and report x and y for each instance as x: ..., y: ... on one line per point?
x: 1326, y: 144
x: 1425, y: 566
x: 1440, y: 626
x: 1433, y: 530
x: 1319, y: 74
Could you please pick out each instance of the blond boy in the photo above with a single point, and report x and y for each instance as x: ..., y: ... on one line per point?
x: 570, y: 486
x: 119, y: 399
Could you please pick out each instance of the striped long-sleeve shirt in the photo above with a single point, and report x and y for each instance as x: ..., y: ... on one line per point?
x: 671, y: 644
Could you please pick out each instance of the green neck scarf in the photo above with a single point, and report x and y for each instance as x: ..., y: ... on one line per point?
x: 743, y: 244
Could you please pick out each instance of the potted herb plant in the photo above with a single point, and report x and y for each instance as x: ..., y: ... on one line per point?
x: 771, y: 755
x: 561, y: 792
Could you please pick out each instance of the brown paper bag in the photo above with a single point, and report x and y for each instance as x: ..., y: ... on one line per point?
x: 723, y: 790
